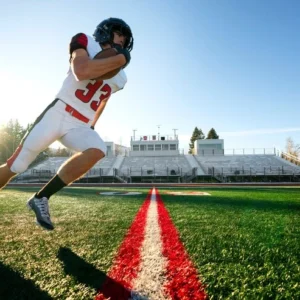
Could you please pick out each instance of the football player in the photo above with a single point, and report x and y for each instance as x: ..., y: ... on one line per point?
x: 72, y: 116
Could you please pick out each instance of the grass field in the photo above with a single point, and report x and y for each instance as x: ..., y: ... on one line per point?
x: 243, y: 241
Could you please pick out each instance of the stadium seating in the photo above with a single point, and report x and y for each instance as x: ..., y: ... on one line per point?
x: 186, y: 167
x: 155, y: 165
x: 246, y: 164
x: 104, y: 164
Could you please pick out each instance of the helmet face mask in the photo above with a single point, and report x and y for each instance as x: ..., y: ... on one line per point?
x: 104, y: 32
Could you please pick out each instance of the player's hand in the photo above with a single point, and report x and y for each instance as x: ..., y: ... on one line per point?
x: 92, y: 127
x: 123, y: 51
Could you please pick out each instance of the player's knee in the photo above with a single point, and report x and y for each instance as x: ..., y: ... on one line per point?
x: 5, y: 174
x: 19, y: 166
x: 96, y: 154
x: 21, y: 162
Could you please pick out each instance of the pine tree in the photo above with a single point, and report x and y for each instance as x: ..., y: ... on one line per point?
x: 212, y: 135
x: 11, y: 136
x: 15, y: 133
x: 197, y: 135
x: 5, y: 152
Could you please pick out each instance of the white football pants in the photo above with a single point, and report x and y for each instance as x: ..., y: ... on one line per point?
x: 55, y: 123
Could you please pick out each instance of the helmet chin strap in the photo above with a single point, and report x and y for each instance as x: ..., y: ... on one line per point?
x: 104, y: 47
x: 112, y: 45
x: 115, y: 45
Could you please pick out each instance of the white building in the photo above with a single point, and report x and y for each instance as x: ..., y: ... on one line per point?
x: 154, y: 145
x: 208, y: 147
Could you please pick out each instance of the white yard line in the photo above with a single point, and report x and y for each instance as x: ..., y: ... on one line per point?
x: 150, y: 279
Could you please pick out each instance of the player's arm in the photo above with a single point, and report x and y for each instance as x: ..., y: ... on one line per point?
x: 99, y: 111
x: 85, y: 68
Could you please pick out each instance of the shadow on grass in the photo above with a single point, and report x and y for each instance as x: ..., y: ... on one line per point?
x: 14, y: 286
x: 87, y: 274
x: 82, y: 271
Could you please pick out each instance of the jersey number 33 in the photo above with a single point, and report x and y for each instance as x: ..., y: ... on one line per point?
x: 91, y: 89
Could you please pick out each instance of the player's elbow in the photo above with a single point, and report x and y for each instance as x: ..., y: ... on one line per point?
x: 80, y: 69
x: 81, y: 73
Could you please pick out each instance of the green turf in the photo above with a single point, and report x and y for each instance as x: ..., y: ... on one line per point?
x: 245, y: 243
x: 70, y: 262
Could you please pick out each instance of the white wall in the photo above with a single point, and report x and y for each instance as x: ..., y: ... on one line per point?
x: 209, y: 147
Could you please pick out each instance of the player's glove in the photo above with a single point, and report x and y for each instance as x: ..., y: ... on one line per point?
x: 123, y: 51
x: 92, y: 127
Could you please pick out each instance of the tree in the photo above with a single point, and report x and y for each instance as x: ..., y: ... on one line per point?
x: 11, y: 136
x: 197, y: 135
x: 15, y: 132
x: 291, y: 148
x: 212, y: 135
x: 5, y: 152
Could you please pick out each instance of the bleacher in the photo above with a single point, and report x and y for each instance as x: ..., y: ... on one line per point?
x: 156, y: 166
x: 47, y: 168
x: 153, y: 160
x: 42, y: 171
x: 51, y: 163
x: 247, y: 165
x: 102, y: 167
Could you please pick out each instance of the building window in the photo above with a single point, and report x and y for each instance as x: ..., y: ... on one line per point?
x: 165, y: 147
x: 157, y: 147
x: 150, y: 147
x: 143, y: 147
x: 210, y: 146
x: 172, y: 146
x: 135, y: 148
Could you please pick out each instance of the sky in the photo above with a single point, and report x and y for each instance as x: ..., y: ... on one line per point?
x: 230, y: 65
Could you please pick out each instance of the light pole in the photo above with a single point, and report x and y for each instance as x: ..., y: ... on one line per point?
x: 134, y: 130
x: 175, y: 133
x: 158, y: 126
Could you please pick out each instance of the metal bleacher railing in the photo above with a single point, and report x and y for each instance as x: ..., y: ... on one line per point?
x: 223, y: 171
x: 250, y: 151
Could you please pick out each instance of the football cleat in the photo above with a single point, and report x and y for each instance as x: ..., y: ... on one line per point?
x: 41, y: 210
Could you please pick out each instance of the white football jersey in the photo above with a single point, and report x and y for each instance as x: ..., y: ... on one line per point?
x: 85, y: 96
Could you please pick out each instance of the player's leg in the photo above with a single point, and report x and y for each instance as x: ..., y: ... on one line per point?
x: 79, y: 164
x: 46, y: 129
x: 5, y: 175
x: 72, y: 169
x: 35, y: 141
x: 39, y: 136
x: 90, y: 148
x: 20, y: 160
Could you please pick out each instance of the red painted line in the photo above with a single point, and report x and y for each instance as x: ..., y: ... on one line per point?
x: 126, y: 265
x: 182, y: 282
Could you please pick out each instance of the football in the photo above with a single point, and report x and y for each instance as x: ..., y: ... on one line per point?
x: 104, y: 54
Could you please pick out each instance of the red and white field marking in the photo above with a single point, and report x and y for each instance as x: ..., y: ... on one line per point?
x: 152, y: 262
